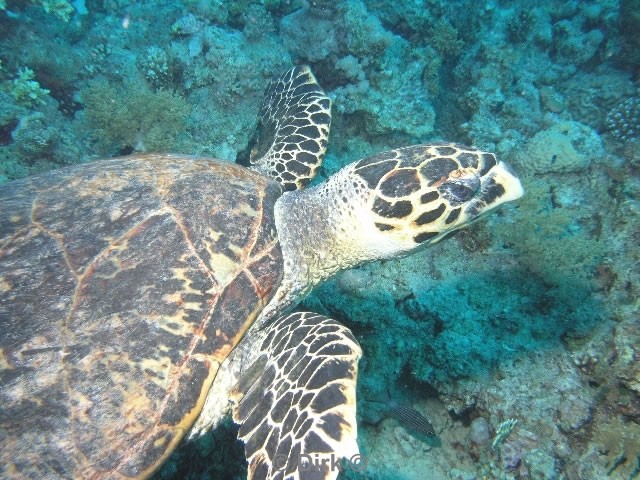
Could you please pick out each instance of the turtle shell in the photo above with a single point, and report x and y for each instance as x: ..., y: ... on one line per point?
x: 123, y: 285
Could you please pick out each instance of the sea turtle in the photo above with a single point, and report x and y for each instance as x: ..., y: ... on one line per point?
x: 126, y: 283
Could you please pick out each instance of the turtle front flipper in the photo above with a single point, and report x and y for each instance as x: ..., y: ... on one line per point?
x: 293, y: 130
x: 299, y: 412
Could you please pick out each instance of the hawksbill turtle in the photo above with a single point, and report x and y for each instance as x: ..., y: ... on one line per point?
x: 143, y: 297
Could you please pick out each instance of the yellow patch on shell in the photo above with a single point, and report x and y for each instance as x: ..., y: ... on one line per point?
x: 224, y: 269
x: 4, y: 360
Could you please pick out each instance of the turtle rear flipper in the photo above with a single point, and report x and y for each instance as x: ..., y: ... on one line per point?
x: 301, y: 407
x: 293, y: 130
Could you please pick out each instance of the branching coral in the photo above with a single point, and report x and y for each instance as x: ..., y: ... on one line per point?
x: 155, y: 65
x: 26, y: 90
x: 623, y: 121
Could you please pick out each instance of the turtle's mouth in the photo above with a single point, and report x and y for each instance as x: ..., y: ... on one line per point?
x: 497, y: 186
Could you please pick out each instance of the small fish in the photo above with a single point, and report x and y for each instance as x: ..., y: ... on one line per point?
x: 410, y: 418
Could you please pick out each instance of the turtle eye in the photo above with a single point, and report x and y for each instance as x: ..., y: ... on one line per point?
x: 460, y: 190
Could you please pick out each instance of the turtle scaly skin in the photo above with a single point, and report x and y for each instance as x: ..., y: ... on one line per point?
x: 151, y: 268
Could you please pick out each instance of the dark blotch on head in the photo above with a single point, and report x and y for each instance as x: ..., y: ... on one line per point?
x: 488, y: 162
x: 414, y: 156
x: 468, y: 159
x: 400, y: 183
x: 460, y: 190
x: 383, y: 227
x: 424, y: 236
x: 437, y: 168
x: 373, y: 172
x: 453, y: 216
x: 431, y: 215
x: 446, y: 150
x: 431, y: 196
x: 494, y: 191
x: 392, y: 210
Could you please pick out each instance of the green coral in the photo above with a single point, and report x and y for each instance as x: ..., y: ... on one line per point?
x: 444, y: 38
x: 132, y: 117
x: 26, y: 90
x: 156, y: 67
x: 60, y: 8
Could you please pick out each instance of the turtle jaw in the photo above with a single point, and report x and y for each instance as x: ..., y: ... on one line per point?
x: 499, y: 185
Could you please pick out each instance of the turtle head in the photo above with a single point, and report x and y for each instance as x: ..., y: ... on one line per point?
x: 415, y: 196
x: 381, y: 207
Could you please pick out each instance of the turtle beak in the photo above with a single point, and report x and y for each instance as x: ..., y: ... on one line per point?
x: 502, y: 174
x: 497, y: 186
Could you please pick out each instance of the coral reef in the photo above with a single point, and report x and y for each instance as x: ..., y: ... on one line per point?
x: 531, y: 315
x: 59, y: 8
x: 563, y: 147
x: 629, y: 22
x: 130, y: 117
x: 623, y: 120
x: 26, y: 90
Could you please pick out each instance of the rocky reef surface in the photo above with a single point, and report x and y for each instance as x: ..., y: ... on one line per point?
x: 517, y: 340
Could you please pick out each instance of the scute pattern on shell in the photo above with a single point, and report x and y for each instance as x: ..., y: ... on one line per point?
x: 123, y: 285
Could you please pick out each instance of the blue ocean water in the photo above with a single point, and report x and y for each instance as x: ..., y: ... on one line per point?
x: 531, y: 314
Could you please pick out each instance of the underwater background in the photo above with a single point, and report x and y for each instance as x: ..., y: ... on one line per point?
x: 518, y: 339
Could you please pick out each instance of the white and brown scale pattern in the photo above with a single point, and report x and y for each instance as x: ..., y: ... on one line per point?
x: 429, y: 187
x: 303, y: 402
x: 293, y: 130
x: 123, y: 285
